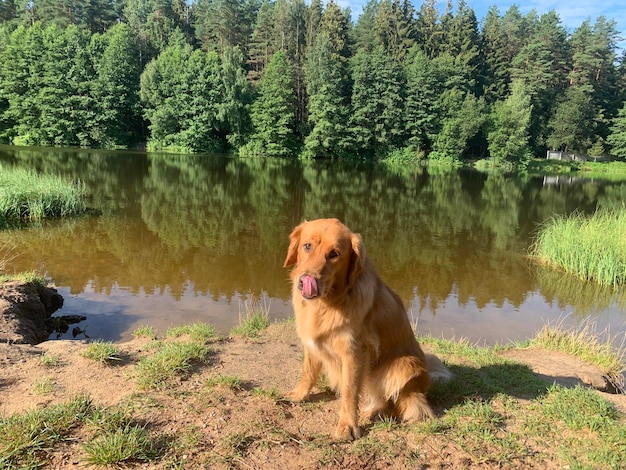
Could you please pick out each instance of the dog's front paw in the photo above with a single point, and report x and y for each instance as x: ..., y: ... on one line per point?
x: 347, y: 431
x: 298, y: 395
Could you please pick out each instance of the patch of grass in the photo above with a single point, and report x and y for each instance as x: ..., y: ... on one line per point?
x: 230, y: 382
x: 51, y: 360
x: 588, y: 431
x: 102, y: 351
x: 181, y: 445
x: 543, y: 166
x: 589, y: 345
x: 590, y: 248
x: 44, y: 386
x: 253, y: 320
x: 200, y: 332
x: 144, y: 332
x: 486, y: 419
x: 170, y: 359
x: 271, y: 393
x: 130, y: 443
x: 27, y: 195
x: 27, y: 277
x: 614, y: 171
x: 26, y: 437
x: 578, y: 408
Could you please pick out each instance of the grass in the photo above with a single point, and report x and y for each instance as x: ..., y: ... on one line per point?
x: 27, y: 277
x: 605, y: 170
x: 44, y: 386
x: 144, y: 332
x: 169, y: 360
x: 198, y: 332
x: 230, y: 382
x: 27, y: 195
x: 591, y: 248
x: 102, y: 351
x: 27, y: 436
x: 253, y: 320
x: 113, y: 447
x: 51, y: 360
x: 114, y: 437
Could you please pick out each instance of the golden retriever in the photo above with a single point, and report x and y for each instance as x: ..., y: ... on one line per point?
x: 355, y: 329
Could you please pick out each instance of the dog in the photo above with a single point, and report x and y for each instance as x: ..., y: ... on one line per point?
x: 355, y: 329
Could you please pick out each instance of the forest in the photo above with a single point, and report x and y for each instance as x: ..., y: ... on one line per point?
x: 306, y: 80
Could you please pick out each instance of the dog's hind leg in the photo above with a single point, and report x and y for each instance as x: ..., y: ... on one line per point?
x: 406, y: 382
x: 413, y: 406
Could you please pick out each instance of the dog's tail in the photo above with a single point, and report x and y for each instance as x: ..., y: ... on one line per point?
x: 437, y: 371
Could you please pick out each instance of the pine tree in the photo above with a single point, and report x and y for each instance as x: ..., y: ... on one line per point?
x: 327, y: 84
x: 377, y: 121
x: 273, y: 112
x: 495, y: 74
x: 328, y: 105
x: 427, y: 30
x: 617, y: 137
x: 422, y: 107
x: 261, y: 47
x: 394, y: 29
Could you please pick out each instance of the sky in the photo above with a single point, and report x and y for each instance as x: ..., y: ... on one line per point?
x: 571, y: 12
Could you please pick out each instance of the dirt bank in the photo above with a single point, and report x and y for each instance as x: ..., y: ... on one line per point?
x: 248, y: 426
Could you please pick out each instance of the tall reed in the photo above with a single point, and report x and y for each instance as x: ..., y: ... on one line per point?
x: 27, y: 195
x: 591, y: 248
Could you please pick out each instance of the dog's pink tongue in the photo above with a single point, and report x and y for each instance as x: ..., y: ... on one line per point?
x: 309, y: 286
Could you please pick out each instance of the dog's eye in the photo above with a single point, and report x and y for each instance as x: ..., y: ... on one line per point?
x: 333, y: 254
x: 307, y: 247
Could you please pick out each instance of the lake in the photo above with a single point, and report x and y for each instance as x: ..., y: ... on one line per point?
x: 179, y: 239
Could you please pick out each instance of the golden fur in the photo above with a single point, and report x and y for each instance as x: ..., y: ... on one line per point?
x: 355, y: 329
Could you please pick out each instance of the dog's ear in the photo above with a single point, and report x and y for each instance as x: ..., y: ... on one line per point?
x: 357, y: 259
x: 294, y: 242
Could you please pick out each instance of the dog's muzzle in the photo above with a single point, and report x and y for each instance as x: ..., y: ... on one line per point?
x: 308, y: 286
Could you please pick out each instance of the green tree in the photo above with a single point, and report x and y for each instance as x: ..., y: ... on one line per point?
x: 46, y: 77
x: 116, y: 117
x: 261, y: 46
x: 461, y: 41
x: 182, y: 92
x: 393, y: 27
x: 8, y: 10
x: 422, y: 107
x: 377, y: 121
x: 617, y: 137
x: 572, y: 126
x: 508, y: 135
x: 22, y: 78
x: 233, y: 111
x: 495, y: 74
x: 328, y: 104
x: 221, y: 24
x: 541, y: 65
x: 427, y: 30
x: 273, y: 112
x: 363, y: 32
x: 464, y: 119
x: 328, y: 86
x: 157, y: 23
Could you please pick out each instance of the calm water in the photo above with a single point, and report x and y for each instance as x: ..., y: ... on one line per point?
x: 180, y: 239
